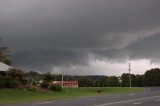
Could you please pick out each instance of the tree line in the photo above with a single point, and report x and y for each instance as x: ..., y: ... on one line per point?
x: 148, y: 79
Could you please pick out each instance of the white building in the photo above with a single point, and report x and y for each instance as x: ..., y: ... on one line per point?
x: 4, y: 68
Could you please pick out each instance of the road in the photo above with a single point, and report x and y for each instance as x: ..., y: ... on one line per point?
x: 150, y: 97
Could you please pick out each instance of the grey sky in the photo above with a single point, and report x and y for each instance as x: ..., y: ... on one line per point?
x: 41, y: 32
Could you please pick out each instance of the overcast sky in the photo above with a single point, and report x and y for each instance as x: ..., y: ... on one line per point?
x: 84, y: 37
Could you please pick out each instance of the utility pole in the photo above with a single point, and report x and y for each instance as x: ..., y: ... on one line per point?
x: 129, y: 69
x: 62, y: 80
x: 67, y: 83
x: 62, y: 72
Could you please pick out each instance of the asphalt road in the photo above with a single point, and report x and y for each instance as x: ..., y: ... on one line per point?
x: 150, y: 97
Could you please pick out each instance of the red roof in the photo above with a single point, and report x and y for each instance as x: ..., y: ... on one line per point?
x: 66, y: 83
x: 69, y: 81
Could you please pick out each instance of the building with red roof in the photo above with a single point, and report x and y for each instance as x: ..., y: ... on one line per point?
x: 73, y: 84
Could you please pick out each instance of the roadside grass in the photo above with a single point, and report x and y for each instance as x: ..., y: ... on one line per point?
x: 12, y: 96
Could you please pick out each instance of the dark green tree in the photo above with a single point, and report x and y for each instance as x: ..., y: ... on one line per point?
x: 125, y: 80
x: 85, y: 82
x: 4, y: 54
x: 33, y: 77
x: 103, y: 81
x: 48, y: 77
x: 113, y: 81
x: 57, y: 77
x: 139, y: 81
x: 152, y: 77
x: 15, y: 73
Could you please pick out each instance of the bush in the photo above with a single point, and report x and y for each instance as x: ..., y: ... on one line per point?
x: 99, y: 90
x: 57, y: 88
x: 44, y: 84
x: 10, y: 83
x: 32, y: 88
x: 15, y: 84
x: 34, y: 83
x: 2, y: 82
x: 29, y: 88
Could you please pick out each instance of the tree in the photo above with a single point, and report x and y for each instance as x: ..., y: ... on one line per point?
x: 13, y: 79
x: 139, y: 80
x: 33, y: 77
x: 14, y: 73
x: 57, y: 77
x: 48, y: 77
x: 85, y: 82
x: 96, y: 83
x: 103, y: 81
x: 4, y: 55
x: 113, y: 81
x: 152, y: 77
x: 125, y: 80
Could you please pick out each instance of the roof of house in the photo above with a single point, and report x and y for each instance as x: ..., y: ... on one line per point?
x: 70, y: 82
x: 4, y: 67
x: 65, y: 82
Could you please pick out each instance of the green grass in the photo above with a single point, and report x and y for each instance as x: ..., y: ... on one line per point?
x: 8, y: 96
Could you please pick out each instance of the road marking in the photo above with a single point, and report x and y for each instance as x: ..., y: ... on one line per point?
x: 126, y: 101
x: 138, y: 103
x: 131, y: 94
x: 62, y: 102
x: 158, y: 100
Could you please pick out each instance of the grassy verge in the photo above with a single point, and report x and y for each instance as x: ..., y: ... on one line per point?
x: 8, y: 96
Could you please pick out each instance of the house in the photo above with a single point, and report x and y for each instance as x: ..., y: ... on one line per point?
x: 73, y: 84
x: 4, y: 68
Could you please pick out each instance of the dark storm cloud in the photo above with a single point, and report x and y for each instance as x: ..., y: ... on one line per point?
x: 46, y: 59
x: 147, y: 48
x: 41, y: 32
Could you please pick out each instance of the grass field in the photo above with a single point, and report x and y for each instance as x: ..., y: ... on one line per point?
x: 8, y: 96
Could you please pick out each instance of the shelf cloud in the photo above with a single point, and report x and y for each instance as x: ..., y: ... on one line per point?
x: 45, y: 34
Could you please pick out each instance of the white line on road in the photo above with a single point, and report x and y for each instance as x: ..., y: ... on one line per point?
x: 131, y: 94
x: 158, y: 100
x: 138, y: 103
x: 132, y: 100
x: 62, y: 102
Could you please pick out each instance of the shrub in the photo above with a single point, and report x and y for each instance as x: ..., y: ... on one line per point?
x: 34, y: 83
x: 29, y: 88
x: 44, y: 84
x: 16, y: 84
x: 57, y: 88
x: 2, y: 82
x: 32, y: 88
x: 10, y: 83
x: 99, y: 90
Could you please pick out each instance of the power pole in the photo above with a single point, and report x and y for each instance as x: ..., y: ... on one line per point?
x: 62, y: 80
x: 62, y: 72
x: 129, y: 69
